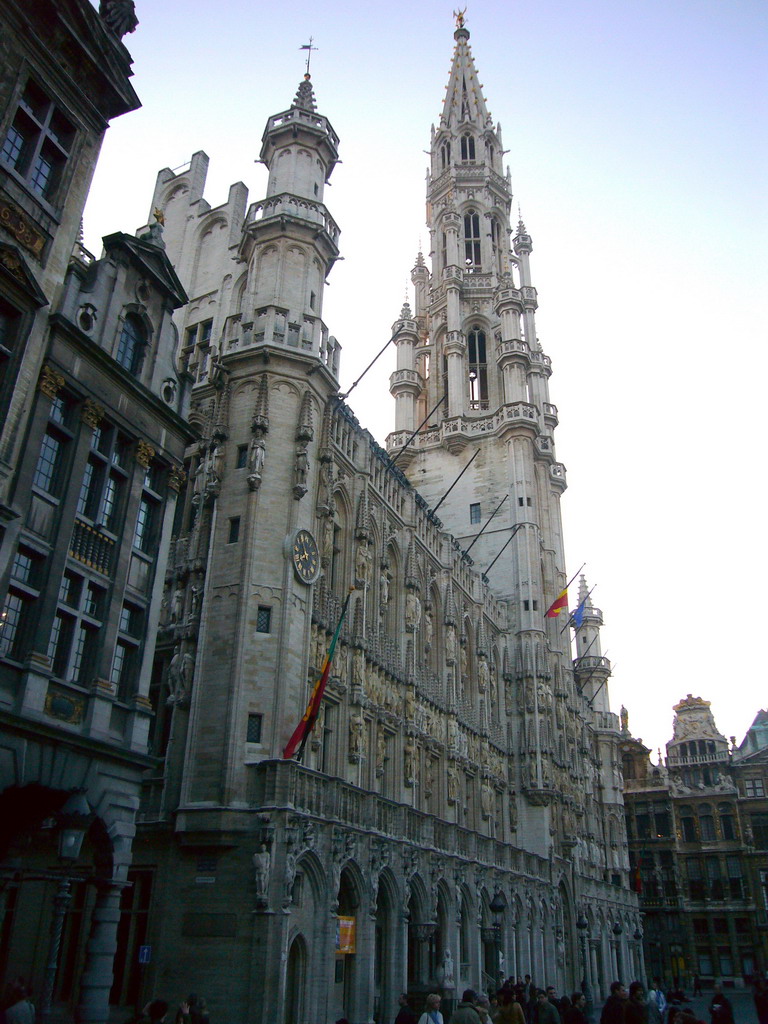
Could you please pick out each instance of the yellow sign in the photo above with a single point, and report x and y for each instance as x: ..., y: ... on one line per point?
x: 345, y: 935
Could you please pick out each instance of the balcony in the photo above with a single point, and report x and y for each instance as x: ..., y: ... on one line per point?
x: 286, y: 785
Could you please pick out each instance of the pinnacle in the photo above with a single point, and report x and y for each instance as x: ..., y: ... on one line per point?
x: 305, y: 97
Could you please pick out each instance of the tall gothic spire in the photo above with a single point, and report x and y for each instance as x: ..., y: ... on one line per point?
x: 464, y: 100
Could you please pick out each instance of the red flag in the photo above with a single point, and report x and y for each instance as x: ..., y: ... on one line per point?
x: 560, y: 602
x: 306, y: 725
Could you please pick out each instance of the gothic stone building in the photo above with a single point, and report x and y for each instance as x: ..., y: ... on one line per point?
x: 697, y: 824
x: 91, y: 446
x: 462, y: 759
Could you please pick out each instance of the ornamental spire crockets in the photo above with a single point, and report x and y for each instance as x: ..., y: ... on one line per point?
x: 305, y: 96
x: 464, y: 100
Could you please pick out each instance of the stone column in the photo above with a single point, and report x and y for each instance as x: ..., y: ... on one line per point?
x: 100, y: 955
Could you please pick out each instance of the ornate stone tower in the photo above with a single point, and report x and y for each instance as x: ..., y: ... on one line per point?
x: 472, y: 372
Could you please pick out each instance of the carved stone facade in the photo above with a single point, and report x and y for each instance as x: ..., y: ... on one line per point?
x: 459, y: 753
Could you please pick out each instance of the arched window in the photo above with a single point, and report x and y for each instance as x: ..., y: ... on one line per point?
x: 472, y: 239
x: 445, y: 155
x: 132, y: 344
x: 467, y: 147
x: 478, y: 370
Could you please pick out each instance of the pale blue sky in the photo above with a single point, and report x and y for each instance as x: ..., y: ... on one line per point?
x: 638, y: 149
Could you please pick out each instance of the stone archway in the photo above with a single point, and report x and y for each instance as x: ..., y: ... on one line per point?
x: 385, y: 979
x: 296, y: 982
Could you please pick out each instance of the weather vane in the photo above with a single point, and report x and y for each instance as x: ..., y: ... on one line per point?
x: 309, y: 48
x: 459, y: 16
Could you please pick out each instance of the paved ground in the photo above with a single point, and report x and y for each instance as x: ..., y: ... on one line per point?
x: 741, y: 1001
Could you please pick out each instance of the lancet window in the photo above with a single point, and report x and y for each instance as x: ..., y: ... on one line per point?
x: 472, y: 240
x: 478, y: 369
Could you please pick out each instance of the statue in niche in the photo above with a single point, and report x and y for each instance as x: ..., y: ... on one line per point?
x: 326, y: 550
x: 412, y: 610
x: 356, y: 725
x: 363, y: 564
x: 410, y: 762
x: 215, y: 461
x: 453, y: 783
x: 177, y: 607
x: 450, y: 645
x: 199, y: 481
x: 383, y: 591
x: 429, y: 776
x: 449, y: 979
x: 486, y: 799
x: 358, y: 668
x: 427, y: 628
x: 257, y: 453
x: 261, y: 867
x: 300, y: 471
x: 483, y: 675
x: 464, y: 662
x: 381, y: 750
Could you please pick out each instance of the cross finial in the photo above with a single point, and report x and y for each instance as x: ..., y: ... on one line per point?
x: 309, y: 48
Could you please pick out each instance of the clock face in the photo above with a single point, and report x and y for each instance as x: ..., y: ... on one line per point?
x: 306, y: 558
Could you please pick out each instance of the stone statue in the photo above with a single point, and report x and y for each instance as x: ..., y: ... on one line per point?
x: 453, y: 783
x: 450, y: 645
x: 383, y: 591
x: 356, y: 734
x: 302, y: 467
x: 483, y: 675
x: 215, y: 463
x: 120, y: 17
x: 261, y: 868
x: 449, y: 980
x: 412, y: 610
x: 463, y: 661
x: 410, y: 762
x: 362, y: 563
x: 427, y: 628
x: 257, y: 452
x: 358, y: 668
x: 177, y: 607
x: 381, y: 750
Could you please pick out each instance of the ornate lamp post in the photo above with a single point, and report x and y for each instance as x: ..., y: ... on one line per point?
x: 497, y: 907
x: 583, y: 926
x: 73, y: 820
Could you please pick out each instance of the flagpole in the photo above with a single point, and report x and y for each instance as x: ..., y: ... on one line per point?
x: 570, y: 620
x: 477, y: 538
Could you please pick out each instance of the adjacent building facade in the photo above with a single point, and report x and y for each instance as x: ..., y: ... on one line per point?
x: 696, y: 823
x: 91, y: 448
x: 457, y: 812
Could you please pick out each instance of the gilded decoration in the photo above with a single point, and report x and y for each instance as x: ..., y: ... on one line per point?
x: 65, y: 706
x: 176, y: 478
x: 144, y: 454
x: 22, y: 229
x: 92, y: 414
x: 50, y: 382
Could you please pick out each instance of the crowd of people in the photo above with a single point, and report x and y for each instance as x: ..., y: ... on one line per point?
x: 522, y: 1002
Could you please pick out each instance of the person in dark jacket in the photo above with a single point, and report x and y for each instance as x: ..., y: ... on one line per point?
x: 465, y: 1012
x: 720, y: 1009
x: 636, y: 1007
x: 546, y: 1012
x: 615, y: 1005
x: 576, y: 1012
x: 405, y: 1014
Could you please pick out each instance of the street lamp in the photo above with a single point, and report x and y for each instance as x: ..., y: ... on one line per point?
x: 497, y: 907
x: 73, y: 821
x: 617, y: 934
x: 583, y: 926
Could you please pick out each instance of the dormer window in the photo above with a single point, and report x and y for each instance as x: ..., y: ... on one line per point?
x: 467, y: 147
x: 132, y: 344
